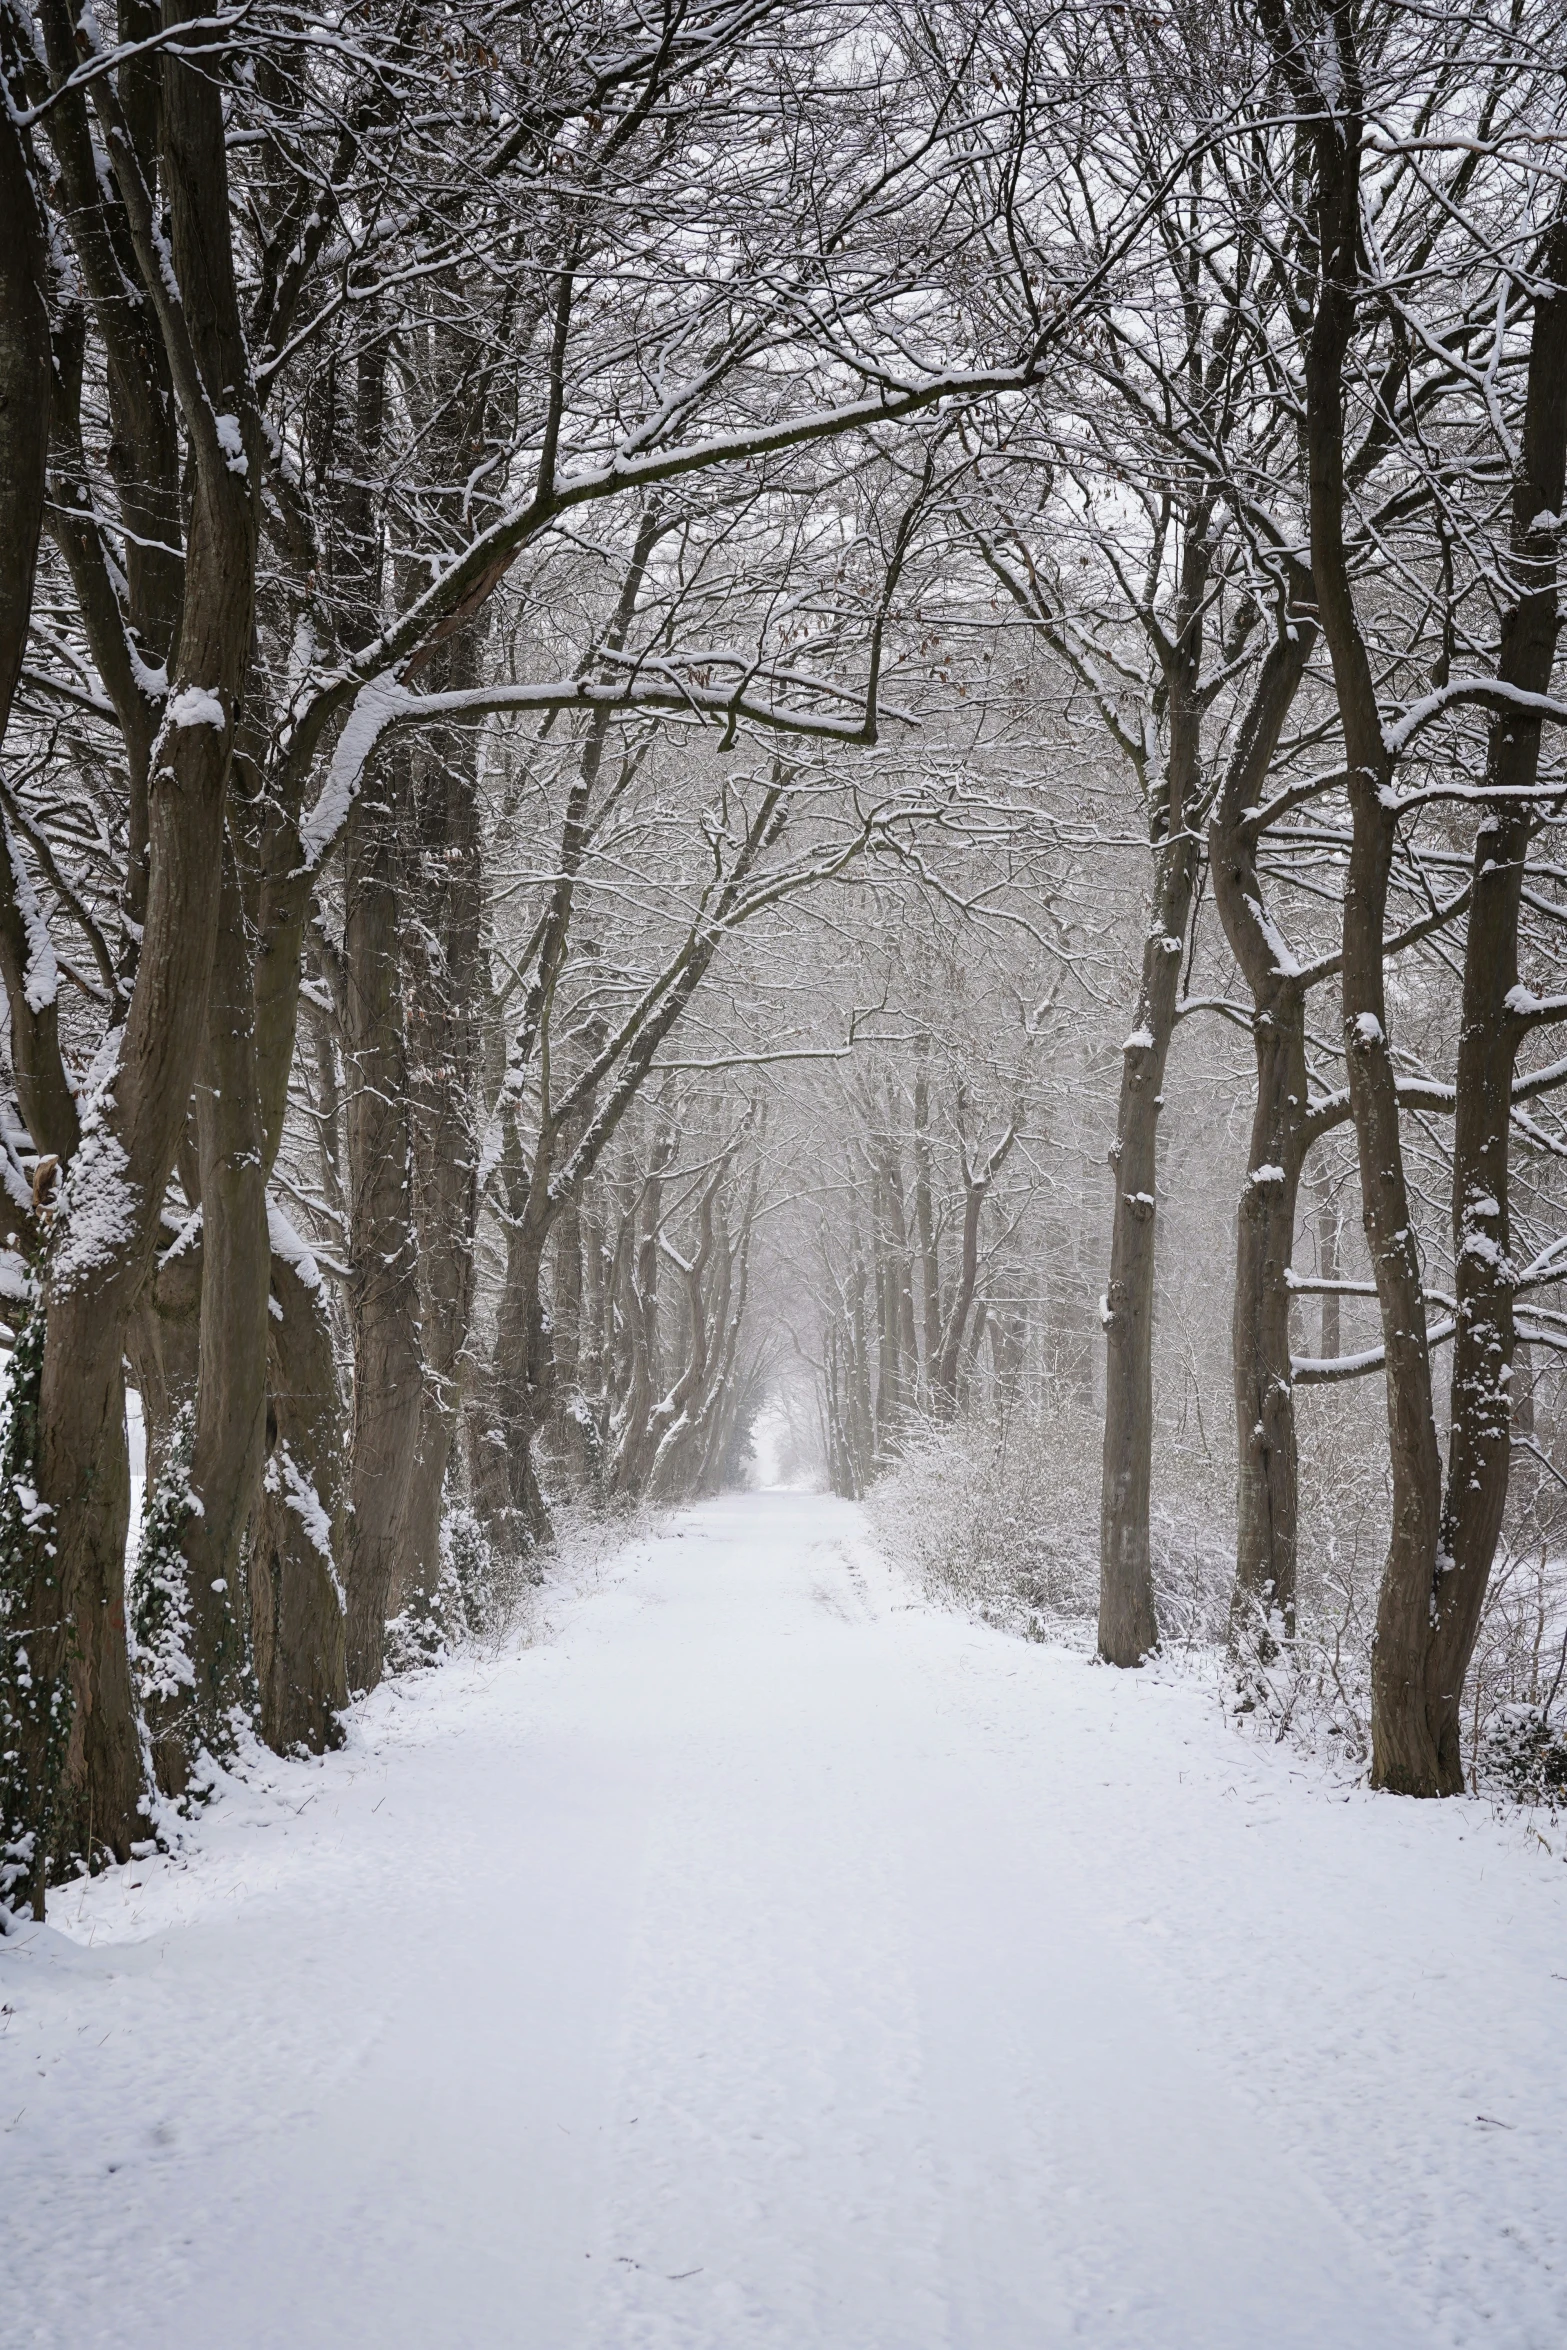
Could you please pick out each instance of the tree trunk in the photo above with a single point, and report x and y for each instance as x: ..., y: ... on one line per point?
x: 383, y: 1288
x: 1268, y: 1469
x: 1404, y: 1754
x: 925, y: 1217
x: 725, y: 1389
x: 633, y: 1452
x: 44, y: 1092
x: 502, y: 1417
x: 674, y: 1418
x: 1494, y: 1024
x: 1128, y: 1628
x: 1266, y: 1538
x: 861, y: 1421
x: 164, y: 1344
x: 892, y: 1324
x: 109, y: 1223
x: 446, y: 973
x: 976, y: 1190
x: 296, y: 1596
x: 230, y: 1418
x: 1521, y: 1391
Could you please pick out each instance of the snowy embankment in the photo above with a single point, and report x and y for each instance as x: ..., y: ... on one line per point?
x: 762, y: 1957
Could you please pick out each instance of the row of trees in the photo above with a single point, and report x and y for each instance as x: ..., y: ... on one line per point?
x: 505, y: 508
x: 1297, y: 559
x: 403, y: 417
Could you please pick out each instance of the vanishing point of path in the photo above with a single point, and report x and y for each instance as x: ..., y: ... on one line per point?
x: 762, y: 1957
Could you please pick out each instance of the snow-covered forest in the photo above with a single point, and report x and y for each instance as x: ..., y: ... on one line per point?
x: 787, y: 744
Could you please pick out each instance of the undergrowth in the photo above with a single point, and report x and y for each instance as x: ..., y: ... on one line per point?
x: 999, y: 1515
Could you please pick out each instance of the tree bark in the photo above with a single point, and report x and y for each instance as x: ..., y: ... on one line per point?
x: 894, y: 1368
x: 1128, y: 1627
x: 44, y: 1094
x: 977, y: 1181
x: 633, y: 1448
x: 674, y: 1418
x: 718, y: 1421
x: 446, y: 972
x: 1494, y: 1023
x: 231, y: 1388
x: 1404, y: 1751
x: 108, y: 1226
x: 296, y: 1596
x: 383, y: 1288
x: 164, y: 1344
x: 1266, y: 1538
x: 925, y: 1216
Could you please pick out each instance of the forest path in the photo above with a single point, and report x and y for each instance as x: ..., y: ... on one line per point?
x: 764, y: 1958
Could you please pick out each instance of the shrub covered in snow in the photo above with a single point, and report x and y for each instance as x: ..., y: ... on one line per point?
x: 1000, y: 1514
x: 478, y: 1595
x: 484, y: 1597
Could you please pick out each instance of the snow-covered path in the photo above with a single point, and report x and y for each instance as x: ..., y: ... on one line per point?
x: 766, y: 1959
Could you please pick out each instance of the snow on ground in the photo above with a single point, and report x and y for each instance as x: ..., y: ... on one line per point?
x: 765, y: 1958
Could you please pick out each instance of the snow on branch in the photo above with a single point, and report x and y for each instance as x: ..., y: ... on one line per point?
x: 41, y: 973
x: 291, y: 1248
x: 1332, y: 1370
x: 1493, y: 693
x: 382, y: 704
